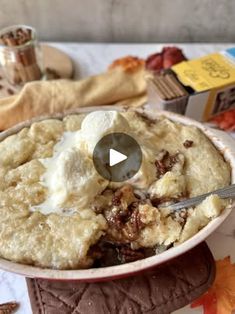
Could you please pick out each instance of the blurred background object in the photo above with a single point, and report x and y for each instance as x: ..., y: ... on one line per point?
x: 124, y: 20
x: 20, y: 54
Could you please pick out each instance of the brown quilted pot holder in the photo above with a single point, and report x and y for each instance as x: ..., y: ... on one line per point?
x: 162, y: 290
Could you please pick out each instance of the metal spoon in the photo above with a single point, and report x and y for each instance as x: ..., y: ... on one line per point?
x: 227, y: 192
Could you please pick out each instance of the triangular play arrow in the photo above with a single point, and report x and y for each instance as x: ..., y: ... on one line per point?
x: 115, y: 157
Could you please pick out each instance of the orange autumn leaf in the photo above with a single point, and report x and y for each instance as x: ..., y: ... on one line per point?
x: 220, y: 298
x: 209, y: 303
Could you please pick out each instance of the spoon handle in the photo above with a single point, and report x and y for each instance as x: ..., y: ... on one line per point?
x: 226, y: 192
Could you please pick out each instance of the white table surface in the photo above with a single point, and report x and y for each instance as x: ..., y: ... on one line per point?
x: 92, y: 59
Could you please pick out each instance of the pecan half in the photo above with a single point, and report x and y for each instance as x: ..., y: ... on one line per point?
x: 124, y: 224
x: 188, y: 144
x: 127, y: 255
x: 165, y: 163
x: 9, y: 307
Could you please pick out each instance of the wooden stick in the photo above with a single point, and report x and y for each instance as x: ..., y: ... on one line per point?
x: 168, y: 89
x: 173, y: 86
x: 177, y: 85
x: 159, y: 90
x: 159, y: 82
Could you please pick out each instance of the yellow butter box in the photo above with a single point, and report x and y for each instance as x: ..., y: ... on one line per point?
x: 210, y: 81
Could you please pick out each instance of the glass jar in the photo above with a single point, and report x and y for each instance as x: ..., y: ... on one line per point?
x: 20, y: 54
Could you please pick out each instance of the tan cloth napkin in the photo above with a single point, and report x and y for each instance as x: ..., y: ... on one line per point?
x: 115, y: 86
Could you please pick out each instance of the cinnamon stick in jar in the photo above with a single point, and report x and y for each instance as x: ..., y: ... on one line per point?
x: 19, y: 53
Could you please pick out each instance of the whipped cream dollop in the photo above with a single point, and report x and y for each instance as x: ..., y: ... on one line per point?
x: 70, y: 176
x: 100, y: 123
x: 71, y: 179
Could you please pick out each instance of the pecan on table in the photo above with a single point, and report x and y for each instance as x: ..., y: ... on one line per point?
x: 9, y: 307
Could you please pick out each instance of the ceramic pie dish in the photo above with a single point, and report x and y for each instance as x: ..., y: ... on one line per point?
x: 222, y: 142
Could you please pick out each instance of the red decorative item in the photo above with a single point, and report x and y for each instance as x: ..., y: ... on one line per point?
x: 155, y: 62
x: 225, y: 120
x: 165, y: 59
x: 171, y: 56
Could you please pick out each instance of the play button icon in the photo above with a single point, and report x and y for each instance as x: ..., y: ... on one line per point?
x: 117, y: 157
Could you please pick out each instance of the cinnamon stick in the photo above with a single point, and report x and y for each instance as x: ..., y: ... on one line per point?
x: 25, y: 68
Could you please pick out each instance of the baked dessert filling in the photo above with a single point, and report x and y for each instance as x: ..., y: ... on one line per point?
x: 58, y: 212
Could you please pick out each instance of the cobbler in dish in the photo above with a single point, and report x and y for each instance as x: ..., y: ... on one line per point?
x: 56, y: 211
